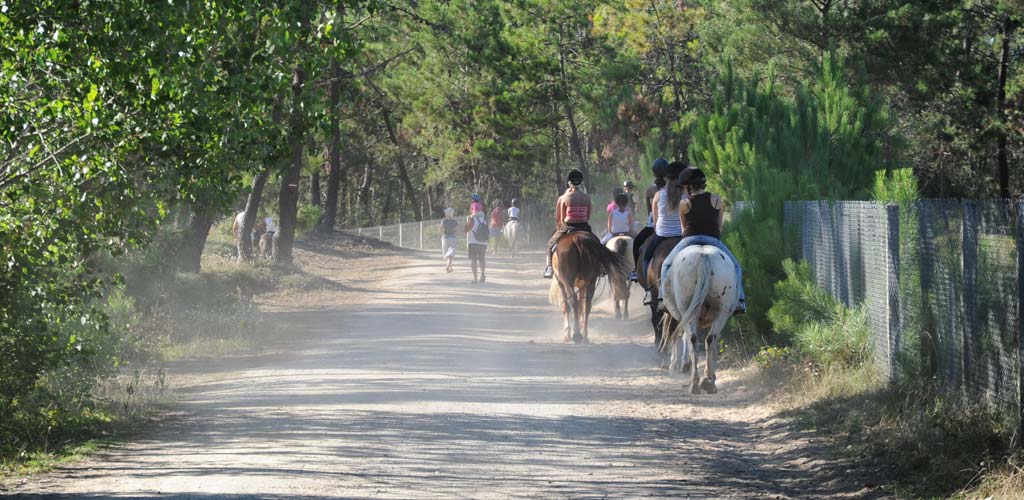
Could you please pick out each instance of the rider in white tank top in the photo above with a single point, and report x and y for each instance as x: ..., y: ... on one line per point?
x: 668, y: 219
x: 620, y: 222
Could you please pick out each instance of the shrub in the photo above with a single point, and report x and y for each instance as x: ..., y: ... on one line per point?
x: 822, y: 330
x: 308, y: 217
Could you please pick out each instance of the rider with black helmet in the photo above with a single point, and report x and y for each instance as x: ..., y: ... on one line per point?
x: 702, y: 215
x: 660, y: 168
x: 572, y: 213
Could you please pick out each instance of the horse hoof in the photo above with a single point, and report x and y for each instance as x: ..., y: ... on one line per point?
x: 694, y: 389
x: 577, y: 338
x: 708, y: 386
x: 567, y: 339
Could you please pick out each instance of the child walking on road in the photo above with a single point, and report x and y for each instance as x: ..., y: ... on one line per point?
x: 449, y: 238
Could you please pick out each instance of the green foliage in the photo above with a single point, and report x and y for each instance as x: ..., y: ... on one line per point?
x: 895, y: 186
x: 799, y: 300
x: 822, y: 330
x: 309, y: 216
x: 763, y: 147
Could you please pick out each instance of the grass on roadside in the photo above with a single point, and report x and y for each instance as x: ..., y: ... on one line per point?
x: 924, y: 445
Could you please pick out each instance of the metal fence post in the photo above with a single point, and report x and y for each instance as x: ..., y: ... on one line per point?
x: 892, y: 215
x: 421, y: 235
x: 1020, y: 324
x: 969, y: 273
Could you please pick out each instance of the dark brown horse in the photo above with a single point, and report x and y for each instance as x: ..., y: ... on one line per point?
x: 651, y: 280
x: 579, y: 261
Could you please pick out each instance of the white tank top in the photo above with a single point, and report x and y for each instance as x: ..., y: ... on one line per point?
x: 620, y: 221
x: 668, y: 219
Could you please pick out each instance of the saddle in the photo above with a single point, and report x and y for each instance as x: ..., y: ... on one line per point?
x: 566, y: 232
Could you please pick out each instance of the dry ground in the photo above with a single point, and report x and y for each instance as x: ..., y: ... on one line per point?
x: 401, y: 381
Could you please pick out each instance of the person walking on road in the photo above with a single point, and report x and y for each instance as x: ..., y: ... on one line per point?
x: 477, y: 234
x: 449, y: 238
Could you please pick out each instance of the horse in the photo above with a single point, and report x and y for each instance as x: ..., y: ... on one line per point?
x: 701, y: 292
x: 621, y: 245
x: 511, y: 234
x: 652, y: 279
x: 579, y: 261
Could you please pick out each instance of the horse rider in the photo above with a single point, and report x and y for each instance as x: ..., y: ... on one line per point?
x: 572, y: 214
x: 497, y: 219
x: 615, y: 192
x: 620, y: 219
x: 702, y: 216
x: 665, y: 212
x: 628, y: 187
x: 514, y: 211
x: 659, y: 167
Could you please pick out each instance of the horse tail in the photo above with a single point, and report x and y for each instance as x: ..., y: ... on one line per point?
x: 598, y: 259
x: 700, y: 293
x: 620, y: 285
x: 700, y: 290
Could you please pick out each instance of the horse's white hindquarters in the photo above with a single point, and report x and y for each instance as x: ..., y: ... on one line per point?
x: 701, y: 292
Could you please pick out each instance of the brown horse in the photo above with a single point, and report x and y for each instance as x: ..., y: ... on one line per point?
x: 651, y: 280
x: 579, y: 261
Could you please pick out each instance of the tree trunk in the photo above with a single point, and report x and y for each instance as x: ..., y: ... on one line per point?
x: 195, y: 241
x: 288, y: 197
x: 577, y: 146
x: 555, y: 141
x: 252, y: 207
x: 387, y: 204
x: 314, y: 188
x: 403, y: 172
x: 364, y: 200
x: 1002, y: 146
x: 334, y: 153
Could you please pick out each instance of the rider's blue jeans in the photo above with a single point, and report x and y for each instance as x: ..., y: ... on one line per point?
x: 701, y: 240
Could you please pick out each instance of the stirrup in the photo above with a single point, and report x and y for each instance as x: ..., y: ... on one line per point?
x: 633, y: 277
x: 549, y: 272
x: 741, y: 308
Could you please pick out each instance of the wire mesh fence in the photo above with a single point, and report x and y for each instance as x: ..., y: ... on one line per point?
x: 426, y: 235
x: 940, y: 280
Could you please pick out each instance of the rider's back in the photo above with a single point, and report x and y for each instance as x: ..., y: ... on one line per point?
x: 668, y: 223
x: 577, y: 207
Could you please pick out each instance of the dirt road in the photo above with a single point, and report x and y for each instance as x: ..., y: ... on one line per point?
x: 427, y: 386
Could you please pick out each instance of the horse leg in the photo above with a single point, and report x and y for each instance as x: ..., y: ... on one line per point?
x: 590, y: 289
x: 625, y: 301
x: 711, y: 365
x: 566, y: 310
x: 691, y: 338
x: 578, y: 301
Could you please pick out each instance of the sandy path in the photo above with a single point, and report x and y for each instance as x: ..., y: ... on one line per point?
x: 431, y: 387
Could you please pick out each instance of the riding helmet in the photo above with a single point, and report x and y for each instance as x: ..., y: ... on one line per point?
x: 693, y: 176
x: 575, y: 177
x: 515, y: 202
x: 675, y: 168
x: 475, y: 197
x: 628, y: 184
x: 659, y: 167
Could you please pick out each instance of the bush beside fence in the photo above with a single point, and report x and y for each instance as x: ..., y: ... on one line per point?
x: 941, y: 282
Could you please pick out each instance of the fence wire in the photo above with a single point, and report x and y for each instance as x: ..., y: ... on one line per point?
x: 939, y: 280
